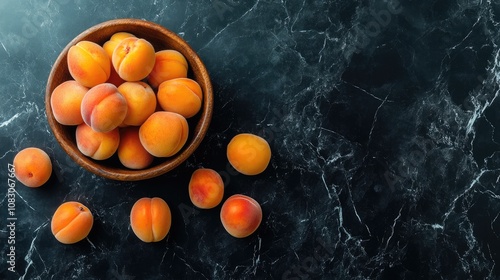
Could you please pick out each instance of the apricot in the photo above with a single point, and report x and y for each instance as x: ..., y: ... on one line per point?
x: 71, y: 222
x: 150, y: 219
x: 141, y: 102
x: 110, y: 45
x: 163, y: 134
x: 133, y: 59
x: 66, y: 100
x: 104, y: 107
x: 88, y: 63
x: 249, y: 154
x: 32, y: 167
x: 181, y: 95
x: 97, y: 145
x: 131, y: 153
x: 240, y: 215
x: 169, y: 64
x: 206, y: 188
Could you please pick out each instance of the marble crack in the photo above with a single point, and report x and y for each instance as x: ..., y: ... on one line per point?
x: 454, y: 202
x: 91, y: 243
x: 356, y: 212
x: 492, y: 131
x: 492, y: 222
x: 228, y: 25
x: 7, y: 122
x: 3, y: 46
x: 7, y: 152
x: 468, y: 34
x: 18, y: 195
x: 375, y: 118
x: 192, y: 269
x: 256, y: 256
x: 326, y: 186
x: 365, y: 91
x: 479, y: 111
x: 28, y: 257
x: 338, y: 208
x: 492, y: 269
x: 161, y: 12
x: 320, y: 52
x: 392, y: 227
x: 297, y: 17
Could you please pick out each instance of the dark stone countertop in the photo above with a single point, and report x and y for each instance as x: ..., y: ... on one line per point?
x: 381, y: 116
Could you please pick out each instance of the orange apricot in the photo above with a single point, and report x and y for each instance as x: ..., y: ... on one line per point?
x: 66, y: 100
x: 32, y: 167
x: 141, y: 102
x: 88, y: 63
x: 249, y: 154
x: 169, y: 64
x: 206, y: 188
x: 133, y: 59
x: 97, y: 145
x: 240, y: 215
x: 131, y: 153
x: 104, y: 107
x: 71, y: 222
x: 150, y: 219
x: 181, y: 95
x: 164, y: 134
x: 110, y: 45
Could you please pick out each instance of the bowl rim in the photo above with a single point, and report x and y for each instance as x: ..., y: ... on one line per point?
x: 123, y: 173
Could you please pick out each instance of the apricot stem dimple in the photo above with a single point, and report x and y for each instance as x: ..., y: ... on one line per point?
x: 30, y: 174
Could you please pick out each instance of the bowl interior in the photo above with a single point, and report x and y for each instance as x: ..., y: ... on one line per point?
x: 161, y: 38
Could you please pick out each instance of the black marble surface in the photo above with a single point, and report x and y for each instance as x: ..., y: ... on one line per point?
x: 381, y: 116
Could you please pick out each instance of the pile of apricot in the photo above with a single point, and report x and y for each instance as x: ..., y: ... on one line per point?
x: 127, y: 98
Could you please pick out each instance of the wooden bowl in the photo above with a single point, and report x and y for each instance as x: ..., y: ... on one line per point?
x: 160, y: 38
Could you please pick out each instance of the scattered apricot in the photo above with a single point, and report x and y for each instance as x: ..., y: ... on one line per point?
x: 206, y: 188
x: 32, y: 167
x: 104, y: 107
x: 71, y: 222
x: 241, y: 215
x: 97, y: 145
x: 88, y: 63
x: 249, y: 154
x: 169, y: 64
x: 163, y: 134
x: 66, y: 100
x: 181, y: 95
x: 150, y: 219
x: 131, y: 153
x: 133, y: 59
